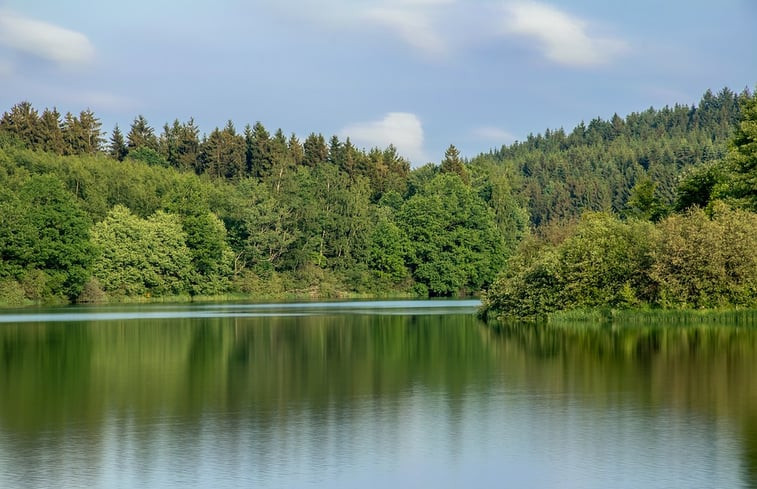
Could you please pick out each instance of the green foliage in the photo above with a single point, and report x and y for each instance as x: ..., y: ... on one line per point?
x: 148, y: 155
x: 44, y: 229
x: 118, y: 149
x: 597, y: 165
x: 138, y: 257
x: 452, y: 163
x: 685, y: 261
x: 741, y: 160
x: 456, y: 245
x: 707, y: 262
x: 318, y: 218
x: 643, y: 202
x: 698, y: 184
x: 387, y: 248
x: 603, y: 261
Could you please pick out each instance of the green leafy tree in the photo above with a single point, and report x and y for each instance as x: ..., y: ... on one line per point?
x: 141, y: 256
x: 643, y: 202
x: 52, y: 236
x: 388, y: 247
x: 456, y: 246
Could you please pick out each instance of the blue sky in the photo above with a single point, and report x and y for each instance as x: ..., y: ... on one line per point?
x: 420, y: 74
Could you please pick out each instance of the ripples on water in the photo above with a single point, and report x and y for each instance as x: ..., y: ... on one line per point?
x: 364, y: 394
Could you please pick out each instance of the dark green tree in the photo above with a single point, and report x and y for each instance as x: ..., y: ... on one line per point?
x: 223, y: 154
x: 22, y: 122
x: 118, y: 149
x: 315, y: 150
x: 742, y: 156
x: 259, y: 150
x: 54, y: 236
x: 51, y: 134
x: 141, y: 134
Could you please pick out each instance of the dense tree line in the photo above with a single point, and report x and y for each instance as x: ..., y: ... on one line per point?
x: 179, y: 213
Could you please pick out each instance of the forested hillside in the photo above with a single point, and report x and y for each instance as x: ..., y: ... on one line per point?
x: 139, y: 213
x: 596, y: 166
x: 694, y: 249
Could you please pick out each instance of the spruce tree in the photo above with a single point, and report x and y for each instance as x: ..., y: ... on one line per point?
x: 118, y: 149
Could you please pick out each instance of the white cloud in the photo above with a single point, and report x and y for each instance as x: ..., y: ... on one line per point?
x: 402, y: 129
x: 44, y: 40
x: 492, y: 134
x: 561, y: 37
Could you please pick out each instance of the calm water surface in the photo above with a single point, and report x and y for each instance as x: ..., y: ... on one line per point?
x: 370, y: 394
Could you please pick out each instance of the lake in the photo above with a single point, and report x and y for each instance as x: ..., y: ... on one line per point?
x: 370, y: 394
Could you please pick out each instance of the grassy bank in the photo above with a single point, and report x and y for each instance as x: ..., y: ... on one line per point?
x: 647, y: 316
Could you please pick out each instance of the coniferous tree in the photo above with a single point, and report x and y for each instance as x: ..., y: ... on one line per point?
x: 91, y: 132
x: 22, y: 122
x: 187, y: 146
x: 223, y: 153
x: 261, y: 159
x: 118, y: 149
x: 141, y: 134
x: 81, y: 135
x: 295, y: 150
x: 50, y: 131
x: 315, y: 150
x: 453, y: 164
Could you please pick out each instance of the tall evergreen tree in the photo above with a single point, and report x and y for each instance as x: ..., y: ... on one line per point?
x: 315, y: 150
x: 452, y: 163
x: 118, y: 149
x: 295, y: 150
x: 22, y: 122
x: 141, y: 134
x: 261, y: 159
x: 50, y: 131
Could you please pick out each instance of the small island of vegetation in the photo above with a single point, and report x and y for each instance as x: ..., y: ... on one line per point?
x: 656, y: 209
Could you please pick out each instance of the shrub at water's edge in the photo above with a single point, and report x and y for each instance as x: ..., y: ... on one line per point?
x: 693, y: 260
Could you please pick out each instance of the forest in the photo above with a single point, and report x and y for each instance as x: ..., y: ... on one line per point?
x: 599, y: 216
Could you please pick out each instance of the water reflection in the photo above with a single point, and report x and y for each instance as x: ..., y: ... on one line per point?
x: 341, y: 400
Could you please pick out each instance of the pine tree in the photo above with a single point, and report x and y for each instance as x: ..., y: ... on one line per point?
x: 295, y: 150
x: 260, y: 151
x: 141, y: 134
x: 118, y: 149
x: 91, y: 131
x: 453, y: 164
x: 315, y: 150
x: 51, y: 133
x: 22, y: 122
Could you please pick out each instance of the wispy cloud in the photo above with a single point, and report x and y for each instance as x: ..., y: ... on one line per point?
x: 402, y: 129
x: 412, y: 26
x: 492, y: 134
x: 561, y: 37
x: 44, y: 40
x: 417, y: 23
